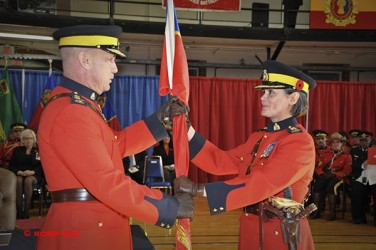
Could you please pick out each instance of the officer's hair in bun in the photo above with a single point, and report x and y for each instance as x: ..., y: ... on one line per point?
x: 301, y: 106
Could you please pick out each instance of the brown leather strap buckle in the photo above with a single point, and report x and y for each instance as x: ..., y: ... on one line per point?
x: 254, y: 209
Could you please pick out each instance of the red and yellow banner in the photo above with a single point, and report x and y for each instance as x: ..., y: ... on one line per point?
x: 224, y: 5
x: 343, y: 14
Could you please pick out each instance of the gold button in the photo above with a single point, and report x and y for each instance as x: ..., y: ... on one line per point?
x: 221, y: 208
x: 100, y: 224
x: 242, y: 158
x: 262, y: 164
x: 162, y: 224
x: 246, y: 214
x: 276, y: 232
x: 168, y: 226
x: 215, y: 210
x: 265, y: 136
x: 115, y: 137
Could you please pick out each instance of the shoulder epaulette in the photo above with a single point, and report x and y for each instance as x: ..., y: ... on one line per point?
x: 77, y: 99
x: 293, y: 130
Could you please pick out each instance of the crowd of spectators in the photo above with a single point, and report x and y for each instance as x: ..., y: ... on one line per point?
x: 345, y: 159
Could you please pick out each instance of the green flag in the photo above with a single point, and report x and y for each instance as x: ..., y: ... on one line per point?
x: 2, y: 133
x: 9, y: 109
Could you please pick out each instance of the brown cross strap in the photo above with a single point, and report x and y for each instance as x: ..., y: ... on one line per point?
x: 70, y: 96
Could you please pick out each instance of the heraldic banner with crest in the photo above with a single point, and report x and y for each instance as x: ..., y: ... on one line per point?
x: 343, y: 14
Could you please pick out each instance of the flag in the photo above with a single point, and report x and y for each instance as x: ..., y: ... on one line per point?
x: 2, y: 133
x: 50, y: 85
x: 108, y: 111
x: 174, y: 79
x: 9, y: 110
x: 349, y: 14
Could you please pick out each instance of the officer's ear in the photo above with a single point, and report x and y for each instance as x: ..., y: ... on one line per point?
x: 84, y: 59
x: 293, y: 98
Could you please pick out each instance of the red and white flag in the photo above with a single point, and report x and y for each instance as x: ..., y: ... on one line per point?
x: 174, y: 79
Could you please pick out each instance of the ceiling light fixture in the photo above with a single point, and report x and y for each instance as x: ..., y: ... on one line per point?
x: 24, y: 36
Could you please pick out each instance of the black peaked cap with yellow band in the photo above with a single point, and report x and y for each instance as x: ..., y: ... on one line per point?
x: 90, y: 36
x: 18, y: 126
x: 277, y: 75
x: 320, y: 133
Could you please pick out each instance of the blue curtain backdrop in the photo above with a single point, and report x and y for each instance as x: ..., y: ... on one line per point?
x: 133, y: 97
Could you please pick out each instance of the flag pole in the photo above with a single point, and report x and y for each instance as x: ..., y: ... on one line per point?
x: 174, y: 79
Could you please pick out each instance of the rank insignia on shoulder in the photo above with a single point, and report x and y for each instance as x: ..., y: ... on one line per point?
x: 77, y: 99
x: 268, y: 150
x: 293, y: 130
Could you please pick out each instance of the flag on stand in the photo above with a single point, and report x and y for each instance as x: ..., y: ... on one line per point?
x: 50, y: 85
x: 174, y: 79
x: 9, y: 110
x: 108, y: 111
x: 2, y: 133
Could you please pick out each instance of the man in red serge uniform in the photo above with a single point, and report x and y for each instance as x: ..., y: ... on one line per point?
x: 92, y: 198
x: 274, y: 167
x: 7, y: 146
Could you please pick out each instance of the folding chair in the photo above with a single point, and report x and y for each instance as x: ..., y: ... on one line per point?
x: 153, y: 174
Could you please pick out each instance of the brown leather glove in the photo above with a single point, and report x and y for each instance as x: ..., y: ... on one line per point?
x: 178, y: 108
x: 186, y: 207
x: 184, y: 185
x: 164, y: 111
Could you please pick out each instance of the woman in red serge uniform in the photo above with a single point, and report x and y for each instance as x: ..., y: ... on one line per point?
x: 276, y: 162
x: 92, y: 198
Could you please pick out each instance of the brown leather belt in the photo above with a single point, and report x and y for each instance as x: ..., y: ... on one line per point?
x: 75, y: 194
x: 254, y: 209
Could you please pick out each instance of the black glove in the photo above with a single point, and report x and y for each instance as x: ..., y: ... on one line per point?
x: 186, y: 207
x: 328, y: 175
x: 184, y: 185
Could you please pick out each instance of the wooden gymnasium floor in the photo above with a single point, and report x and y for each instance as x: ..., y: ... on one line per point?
x: 221, y: 231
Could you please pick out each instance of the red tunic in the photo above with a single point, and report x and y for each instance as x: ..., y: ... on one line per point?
x: 285, y: 158
x: 339, y: 164
x: 323, y: 155
x: 79, y: 150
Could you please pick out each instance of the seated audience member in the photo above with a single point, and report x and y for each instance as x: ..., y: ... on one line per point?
x: 7, y: 146
x: 346, y: 145
x: 329, y: 173
x: 25, y: 163
x: 364, y: 180
x: 166, y: 151
x: 359, y: 154
x: 134, y: 166
x: 354, y: 136
x: 320, y: 144
x: 322, y: 153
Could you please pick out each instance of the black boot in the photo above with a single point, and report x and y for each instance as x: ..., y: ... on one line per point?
x: 19, y: 210
x: 317, y: 200
x: 332, y: 207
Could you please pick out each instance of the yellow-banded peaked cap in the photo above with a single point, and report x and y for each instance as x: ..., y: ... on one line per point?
x: 91, y: 36
x: 277, y: 75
